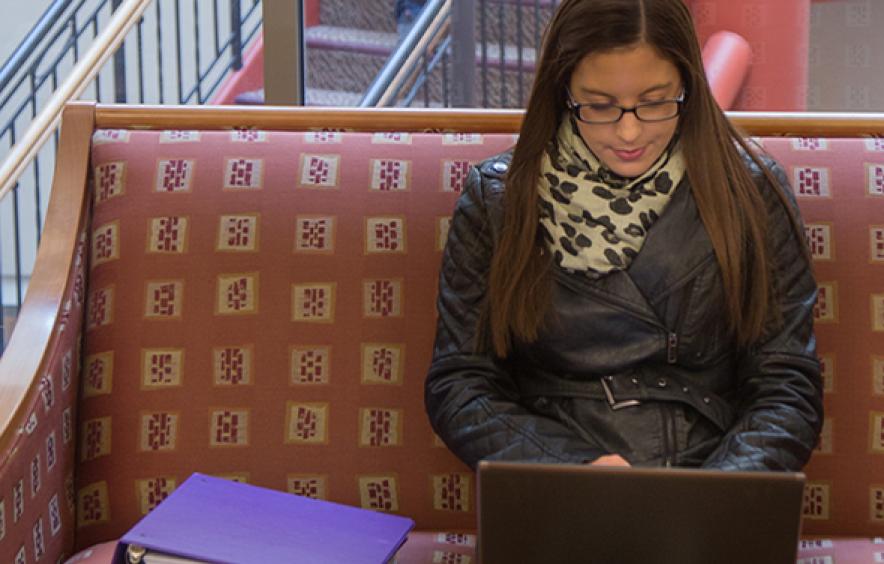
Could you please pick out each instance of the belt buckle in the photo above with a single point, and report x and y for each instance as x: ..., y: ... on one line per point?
x: 612, y: 401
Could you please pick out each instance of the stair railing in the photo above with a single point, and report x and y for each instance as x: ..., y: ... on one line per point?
x: 144, y: 51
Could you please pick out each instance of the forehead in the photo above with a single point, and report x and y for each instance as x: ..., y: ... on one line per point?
x: 625, y: 72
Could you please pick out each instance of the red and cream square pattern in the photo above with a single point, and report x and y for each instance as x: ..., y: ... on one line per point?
x: 314, y: 486
x: 167, y: 234
x: 164, y: 299
x: 161, y: 368
x: 876, y: 504
x: 875, y: 145
x: 314, y: 302
x: 92, y: 504
x: 382, y: 363
x: 452, y: 492
x: 382, y: 298
x: 306, y: 423
x: 310, y: 364
x: 877, y: 312
x: 443, y: 225
x: 811, y: 181
x: 237, y: 294
x: 98, y: 371
x: 826, y: 443
x: 243, y: 174
x: 248, y: 136
x: 238, y: 232
x: 380, y: 493
x: 106, y: 243
x: 389, y: 175
x: 152, y: 491
x: 229, y: 427
x: 95, y: 438
x: 819, y: 240
x: 810, y: 144
x: 18, y: 500
x: 159, y: 431
x: 101, y: 308
x: 54, y: 516
x: 876, y: 432
x: 110, y: 180
x: 67, y: 426
x: 105, y: 136
x: 454, y: 175
x: 380, y: 426
x: 51, y: 451
x: 816, y: 500
x: 319, y: 171
x: 179, y: 136
x: 240, y: 477
x: 876, y: 179
x: 391, y: 138
x: 384, y: 235
x: 39, y: 540
x: 878, y: 375
x: 826, y: 308
x: 462, y: 139
x: 876, y: 243
x: 36, y: 481
x: 315, y: 234
x: 174, y: 175
x: 827, y: 372
x: 232, y: 366
x: 325, y: 136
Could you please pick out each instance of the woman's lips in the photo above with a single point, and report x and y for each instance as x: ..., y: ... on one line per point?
x: 632, y: 155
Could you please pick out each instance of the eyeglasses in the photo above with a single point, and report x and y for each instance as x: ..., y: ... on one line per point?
x: 601, y: 113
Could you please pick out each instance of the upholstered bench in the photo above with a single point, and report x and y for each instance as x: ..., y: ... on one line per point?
x: 250, y: 294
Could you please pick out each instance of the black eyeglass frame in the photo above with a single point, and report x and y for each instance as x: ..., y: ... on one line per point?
x: 575, y: 109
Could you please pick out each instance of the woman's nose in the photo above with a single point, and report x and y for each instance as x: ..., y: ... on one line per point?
x: 629, y: 127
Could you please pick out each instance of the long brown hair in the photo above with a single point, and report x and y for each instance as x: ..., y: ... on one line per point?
x: 730, y: 205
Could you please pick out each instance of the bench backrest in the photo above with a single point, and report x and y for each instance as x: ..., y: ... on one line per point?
x: 260, y: 305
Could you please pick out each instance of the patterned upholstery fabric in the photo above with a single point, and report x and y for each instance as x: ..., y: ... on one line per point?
x: 261, y: 306
x: 840, y: 188
x: 37, y: 490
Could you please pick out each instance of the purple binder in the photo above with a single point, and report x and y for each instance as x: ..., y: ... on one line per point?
x: 217, y: 520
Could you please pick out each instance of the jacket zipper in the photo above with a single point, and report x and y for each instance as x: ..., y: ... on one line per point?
x: 669, y: 440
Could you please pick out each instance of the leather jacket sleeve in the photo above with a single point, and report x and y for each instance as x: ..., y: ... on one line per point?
x: 471, y: 399
x: 780, y: 411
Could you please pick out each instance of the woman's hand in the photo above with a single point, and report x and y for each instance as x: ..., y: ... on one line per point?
x: 610, y: 460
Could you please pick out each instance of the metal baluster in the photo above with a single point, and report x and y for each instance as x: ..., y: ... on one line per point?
x: 501, y: 50
x: 521, y: 72
x: 236, y: 30
x: 160, y: 51
x: 178, y: 51
x: 98, y: 76
x: 483, y: 7
x: 74, y: 42
x: 39, y: 219
x: 216, y: 28
x: 119, y: 64
x: 446, y: 101
x: 196, y: 40
x: 140, y: 38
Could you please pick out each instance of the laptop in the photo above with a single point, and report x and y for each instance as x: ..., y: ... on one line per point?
x: 549, y: 513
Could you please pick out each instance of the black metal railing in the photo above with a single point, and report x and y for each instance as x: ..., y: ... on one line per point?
x: 179, y: 51
x: 498, y: 41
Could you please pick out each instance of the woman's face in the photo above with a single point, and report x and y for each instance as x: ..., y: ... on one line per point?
x: 626, y: 76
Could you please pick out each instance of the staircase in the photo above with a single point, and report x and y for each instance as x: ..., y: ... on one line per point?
x: 348, y: 49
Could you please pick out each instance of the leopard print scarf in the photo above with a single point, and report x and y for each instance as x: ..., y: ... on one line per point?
x: 593, y: 220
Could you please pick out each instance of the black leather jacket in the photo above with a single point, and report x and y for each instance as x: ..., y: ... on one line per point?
x: 635, y: 363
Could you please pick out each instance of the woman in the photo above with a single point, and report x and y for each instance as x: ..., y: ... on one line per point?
x: 630, y: 284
